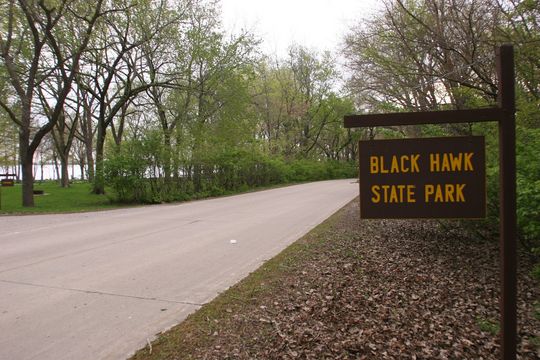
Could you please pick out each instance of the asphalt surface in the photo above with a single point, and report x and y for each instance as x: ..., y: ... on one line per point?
x: 98, y: 285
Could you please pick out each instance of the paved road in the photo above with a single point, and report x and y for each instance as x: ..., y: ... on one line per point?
x: 97, y: 285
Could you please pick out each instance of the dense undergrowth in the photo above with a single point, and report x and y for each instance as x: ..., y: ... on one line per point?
x: 135, y: 174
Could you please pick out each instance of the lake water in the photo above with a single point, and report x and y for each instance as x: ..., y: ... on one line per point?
x: 46, y: 172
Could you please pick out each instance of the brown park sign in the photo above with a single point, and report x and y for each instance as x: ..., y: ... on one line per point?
x: 455, y: 191
x: 423, y: 178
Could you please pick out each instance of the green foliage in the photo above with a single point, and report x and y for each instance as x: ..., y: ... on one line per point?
x: 299, y: 113
x: 133, y: 172
x: 489, y: 326
x: 536, y: 275
x: 127, y: 168
x: 309, y: 170
x: 528, y: 187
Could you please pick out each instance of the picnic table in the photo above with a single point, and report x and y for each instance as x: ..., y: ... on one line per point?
x: 8, y: 179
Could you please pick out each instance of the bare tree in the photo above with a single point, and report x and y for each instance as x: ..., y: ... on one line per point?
x: 425, y: 54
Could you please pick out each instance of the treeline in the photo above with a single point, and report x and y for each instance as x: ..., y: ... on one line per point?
x: 156, y: 91
x: 435, y: 55
x: 79, y: 80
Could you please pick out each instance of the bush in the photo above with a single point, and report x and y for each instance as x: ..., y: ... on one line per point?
x: 528, y: 188
x: 135, y: 173
x: 130, y: 170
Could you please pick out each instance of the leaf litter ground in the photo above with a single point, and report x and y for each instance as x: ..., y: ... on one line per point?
x: 364, y: 289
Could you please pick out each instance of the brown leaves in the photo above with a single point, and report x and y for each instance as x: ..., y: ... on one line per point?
x: 381, y: 290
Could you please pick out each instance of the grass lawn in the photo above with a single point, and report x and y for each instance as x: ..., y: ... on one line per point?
x: 77, y: 198
x: 55, y: 199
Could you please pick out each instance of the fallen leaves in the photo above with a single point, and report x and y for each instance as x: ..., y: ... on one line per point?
x: 380, y: 290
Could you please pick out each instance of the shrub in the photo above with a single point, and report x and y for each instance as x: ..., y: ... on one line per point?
x: 135, y: 173
x: 528, y: 188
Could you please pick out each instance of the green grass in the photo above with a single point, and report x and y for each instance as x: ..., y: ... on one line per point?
x: 537, y: 310
x: 488, y: 326
x: 536, y: 272
x: 76, y: 198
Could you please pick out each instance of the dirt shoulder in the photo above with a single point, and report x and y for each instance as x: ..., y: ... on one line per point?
x: 386, y: 289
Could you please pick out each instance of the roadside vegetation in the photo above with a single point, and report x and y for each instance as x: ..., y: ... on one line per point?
x: 226, y: 174
x: 132, y: 189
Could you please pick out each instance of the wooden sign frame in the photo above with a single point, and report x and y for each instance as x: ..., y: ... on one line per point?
x: 504, y: 114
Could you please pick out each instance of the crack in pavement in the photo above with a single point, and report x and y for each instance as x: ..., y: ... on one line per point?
x: 95, y: 292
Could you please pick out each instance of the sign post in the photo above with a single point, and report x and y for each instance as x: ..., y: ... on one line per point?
x: 507, y: 191
x: 403, y: 179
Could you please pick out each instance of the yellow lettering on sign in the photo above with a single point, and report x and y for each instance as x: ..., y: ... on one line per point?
x: 449, y: 162
x: 445, y: 163
x: 438, y: 194
x: 434, y: 162
x: 393, y: 194
x: 376, y: 165
x: 456, y: 161
x: 468, y: 162
x: 414, y: 163
x: 395, y: 166
x: 404, y: 167
x: 382, y: 169
x: 447, y: 193
x: 373, y: 165
x: 376, y: 198
x: 428, y: 191
x: 410, y: 193
x: 398, y: 164
x: 459, y: 193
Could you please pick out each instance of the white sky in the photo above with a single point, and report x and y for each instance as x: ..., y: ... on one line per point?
x: 317, y: 24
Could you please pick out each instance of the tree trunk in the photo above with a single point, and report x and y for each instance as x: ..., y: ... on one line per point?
x: 81, y: 166
x: 42, y: 167
x: 87, y: 137
x: 26, y: 156
x: 167, y: 154
x: 64, y: 175
x: 197, y: 177
x: 56, y: 174
x: 90, y: 161
x: 99, y: 176
x: 27, y: 184
x: 27, y: 174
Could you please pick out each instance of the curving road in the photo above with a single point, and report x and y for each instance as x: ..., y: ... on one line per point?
x: 98, y: 285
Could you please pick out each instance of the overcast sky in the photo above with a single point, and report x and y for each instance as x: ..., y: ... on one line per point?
x: 317, y: 24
